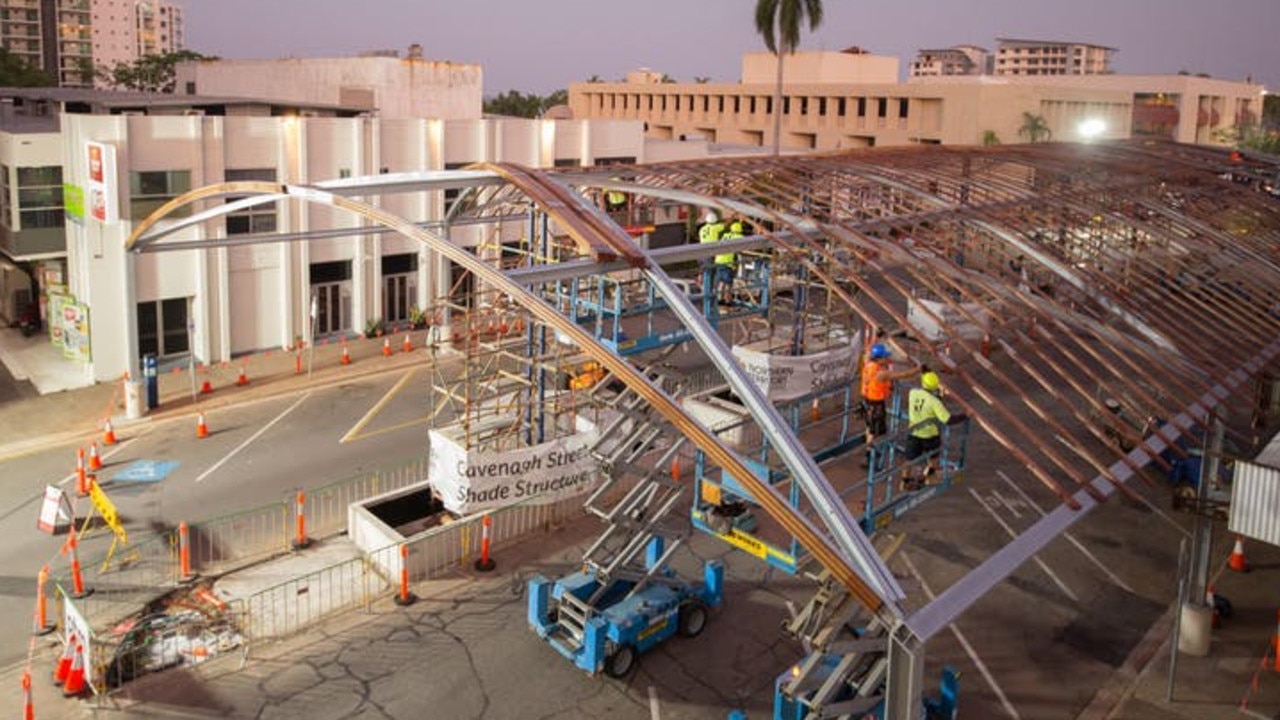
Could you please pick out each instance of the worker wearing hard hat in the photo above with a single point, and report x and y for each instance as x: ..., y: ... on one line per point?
x: 713, y: 230
x: 926, y: 415
x: 878, y: 376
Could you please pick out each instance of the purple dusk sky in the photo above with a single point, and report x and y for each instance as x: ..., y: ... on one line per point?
x: 537, y: 46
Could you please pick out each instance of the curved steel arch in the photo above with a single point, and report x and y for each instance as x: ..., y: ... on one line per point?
x: 556, y: 201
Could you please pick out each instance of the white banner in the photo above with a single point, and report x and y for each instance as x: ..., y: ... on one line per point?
x: 785, y: 377
x: 478, y: 481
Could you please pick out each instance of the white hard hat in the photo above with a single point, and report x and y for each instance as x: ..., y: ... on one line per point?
x: 711, y: 217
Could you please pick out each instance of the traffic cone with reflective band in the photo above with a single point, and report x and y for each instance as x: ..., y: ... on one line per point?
x: 28, y: 710
x: 244, y: 376
x: 75, y: 683
x: 63, y: 668
x: 202, y: 428
x: 108, y: 434
x: 408, y: 344
x: 95, y: 460
x: 346, y: 354
x: 1237, y: 560
x: 82, y: 477
x: 386, y: 347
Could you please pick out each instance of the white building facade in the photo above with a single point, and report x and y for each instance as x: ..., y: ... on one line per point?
x: 221, y: 302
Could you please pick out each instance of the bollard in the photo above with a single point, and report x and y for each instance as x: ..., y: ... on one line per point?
x: 301, y: 542
x: 485, y: 563
x: 404, y: 597
x: 184, y: 553
x: 297, y: 363
x: 1277, y: 641
x: 78, y: 590
x: 28, y: 710
x: 41, y: 625
x: 82, y: 478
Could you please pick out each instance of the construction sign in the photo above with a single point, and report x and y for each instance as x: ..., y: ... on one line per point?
x: 55, y: 512
x: 107, y: 510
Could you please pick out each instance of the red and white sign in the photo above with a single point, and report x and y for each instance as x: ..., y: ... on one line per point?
x: 55, y: 512
x: 101, y: 192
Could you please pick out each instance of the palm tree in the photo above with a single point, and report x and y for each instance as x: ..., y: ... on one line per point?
x: 778, y: 22
x: 1034, y: 128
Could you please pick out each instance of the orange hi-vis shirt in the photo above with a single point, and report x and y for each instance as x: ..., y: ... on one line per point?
x: 871, y: 389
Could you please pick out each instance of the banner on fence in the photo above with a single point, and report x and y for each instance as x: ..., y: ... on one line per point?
x: 471, y: 481
x: 786, y: 377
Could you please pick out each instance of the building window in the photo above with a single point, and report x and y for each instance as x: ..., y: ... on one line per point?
x: 6, y: 205
x: 162, y: 327
x: 151, y: 189
x: 259, y: 218
x: 399, y: 286
x: 40, y: 197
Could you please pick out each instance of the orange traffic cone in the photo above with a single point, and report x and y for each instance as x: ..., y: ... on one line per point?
x: 408, y: 344
x: 75, y: 683
x: 63, y: 668
x: 28, y: 710
x: 202, y: 428
x: 244, y: 376
x: 108, y: 433
x: 1237, y: 560
x: 95, y: 460
x: 386, y: 347
x: 206, y: 387
x: 346, y: 355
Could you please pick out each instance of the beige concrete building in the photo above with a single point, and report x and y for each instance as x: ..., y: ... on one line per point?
x: 68, y: 39
x: 842, y: 100
x: 958, y: 60
x: 1049, y: 57
x: 381, y: 82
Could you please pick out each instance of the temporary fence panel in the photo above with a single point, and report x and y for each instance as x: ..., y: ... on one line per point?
x: 224, y: 543
x: 326, y: 507
x: 293, y: 605
x: 135, y: 576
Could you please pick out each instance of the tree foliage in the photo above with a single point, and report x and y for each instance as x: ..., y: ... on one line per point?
x: 1034, y: 128
x: 15, y: 72
x: 778, y: 22
x: 514, y: 103
x: 150, y: 73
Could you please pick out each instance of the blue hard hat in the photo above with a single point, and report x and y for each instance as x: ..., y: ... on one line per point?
x: 879, y: 351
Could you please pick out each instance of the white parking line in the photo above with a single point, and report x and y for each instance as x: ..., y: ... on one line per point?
x: 655, y: 711
x: 253, y: 437
x: 1070, y: 538
x: 968, y: 649
x: 1052, y: 575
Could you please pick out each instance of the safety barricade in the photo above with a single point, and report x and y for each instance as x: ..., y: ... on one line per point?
x: 327, y: 506
x: 294, y: 605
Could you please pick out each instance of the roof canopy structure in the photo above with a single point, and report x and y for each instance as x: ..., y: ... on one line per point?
x: 1060, y: 288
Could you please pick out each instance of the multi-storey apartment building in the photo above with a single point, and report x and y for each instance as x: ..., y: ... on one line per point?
x: 69, y: 39
x: 958, y: 60
x: 1051, y: 57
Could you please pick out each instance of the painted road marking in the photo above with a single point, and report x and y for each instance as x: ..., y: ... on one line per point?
x: 354, y: 432
x: 968, y: 649
x: 1013, y: 535
x: 253, y: 437
x: 1070, y: 538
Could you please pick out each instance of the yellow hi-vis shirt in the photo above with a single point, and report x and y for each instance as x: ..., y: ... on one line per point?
x: 923, y: 406
x: 712, y: 232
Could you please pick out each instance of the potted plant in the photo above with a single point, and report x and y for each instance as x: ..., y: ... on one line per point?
x: 374, y: 327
